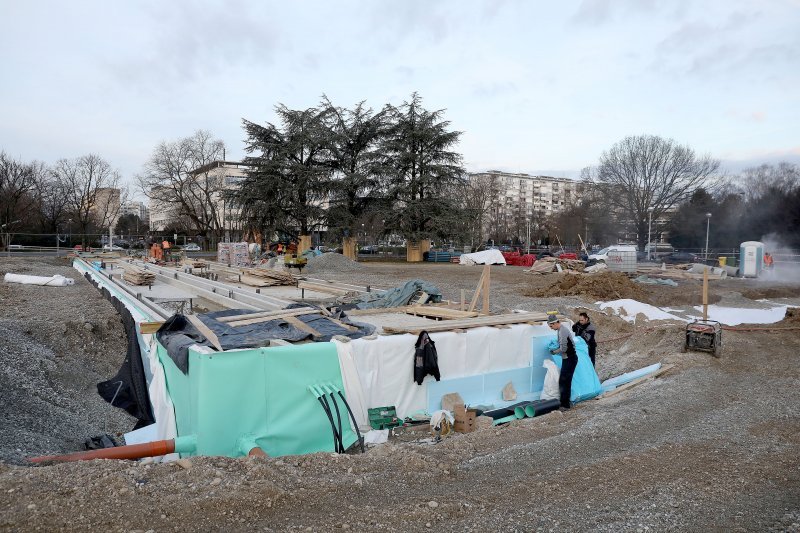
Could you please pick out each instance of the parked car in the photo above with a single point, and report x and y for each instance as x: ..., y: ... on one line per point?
x: 191, y: 247
x: 602, y: 255
x: 369, y: 249
x: 680, y: 258
x: 112, y: 248
x: 82, y: 248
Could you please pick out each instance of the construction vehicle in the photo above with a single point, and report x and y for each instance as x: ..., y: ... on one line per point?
x: 293, y: 261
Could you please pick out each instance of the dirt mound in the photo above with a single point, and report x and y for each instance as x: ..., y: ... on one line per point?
x: 792, y: 315
x: 770, y: 292
x: 331, y: 263
x: 604, y: 286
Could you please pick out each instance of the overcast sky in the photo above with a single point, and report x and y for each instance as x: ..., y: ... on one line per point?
x: 535, y: 86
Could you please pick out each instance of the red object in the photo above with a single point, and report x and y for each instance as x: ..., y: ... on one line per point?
x: 568, y: 255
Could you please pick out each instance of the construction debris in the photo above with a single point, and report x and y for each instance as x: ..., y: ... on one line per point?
x: 547, y: 265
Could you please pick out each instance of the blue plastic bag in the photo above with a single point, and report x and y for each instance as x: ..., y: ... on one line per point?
x: 585, y: 383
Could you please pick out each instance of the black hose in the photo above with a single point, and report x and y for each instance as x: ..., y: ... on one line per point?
x: 337, y: 435
x: 353, y: 418
x: 339, y: 417
x: 330, y: 420
x: 503, y: 411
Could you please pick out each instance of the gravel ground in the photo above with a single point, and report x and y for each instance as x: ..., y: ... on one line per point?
x: 713, y: 445
x: 56, y: 344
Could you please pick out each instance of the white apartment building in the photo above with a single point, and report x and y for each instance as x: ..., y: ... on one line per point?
x: 136, y: 208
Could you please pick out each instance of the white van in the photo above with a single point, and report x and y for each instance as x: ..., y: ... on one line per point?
x: 602, y: 255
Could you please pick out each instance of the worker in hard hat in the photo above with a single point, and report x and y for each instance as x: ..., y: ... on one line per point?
x: 569, y: 358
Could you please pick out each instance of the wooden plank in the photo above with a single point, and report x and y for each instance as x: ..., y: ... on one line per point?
x: 279, y: 342
x: 377, y: 311
x: 332, y: 289
x: 282, y: 316
x: 339, y: 323
x: 263, y: 314
x: 149, y: 327
x: 705, y: 294
x: 299, y: 324
x: 439, y: 312
x: 450, y: 325
x: 475, y: 296
x: 202, y: 328
x: 486, y: 283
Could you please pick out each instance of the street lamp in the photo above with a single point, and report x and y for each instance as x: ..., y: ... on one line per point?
x: 708, y: 225
x: 649, y: 240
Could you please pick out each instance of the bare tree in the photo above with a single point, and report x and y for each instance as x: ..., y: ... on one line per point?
x: 53, y: 200
x: 17, y: 193
x: 643, y: 172
x: 179, y: 174
x: 482, y: 192
x: 86, y: 178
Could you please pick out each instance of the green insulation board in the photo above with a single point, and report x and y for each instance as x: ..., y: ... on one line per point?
x: 229, y: 399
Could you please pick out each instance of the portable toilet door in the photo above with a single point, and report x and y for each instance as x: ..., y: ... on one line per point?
x: 751, y: 258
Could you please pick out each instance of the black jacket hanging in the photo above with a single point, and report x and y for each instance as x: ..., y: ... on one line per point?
x: 426, y: 361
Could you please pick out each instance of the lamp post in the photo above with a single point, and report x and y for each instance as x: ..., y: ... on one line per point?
x: 649, y: 240
x: 708, y: 225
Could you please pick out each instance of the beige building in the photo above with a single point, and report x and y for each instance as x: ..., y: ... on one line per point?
x: 105, y: 209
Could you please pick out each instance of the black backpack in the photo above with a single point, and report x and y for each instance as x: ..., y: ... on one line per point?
x: 426, y: 361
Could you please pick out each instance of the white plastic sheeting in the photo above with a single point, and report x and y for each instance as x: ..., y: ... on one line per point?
x: 51, y: 281
x: 380, y: 372
x: 486, y: 257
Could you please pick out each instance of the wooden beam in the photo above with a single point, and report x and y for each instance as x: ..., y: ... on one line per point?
x: 377, y: 311
x: 319, y: 287
x: 439, y: 312
x: 486, y: 283
x: 264, y: 314
x: 705, y: 294
x: 202, y: 328
x: 299, y: 324
x: 149, y: 327
x: 475, y: 296
x: 450, y: 325
x: 341, y: 324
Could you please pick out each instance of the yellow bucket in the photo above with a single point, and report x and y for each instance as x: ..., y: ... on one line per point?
x: 723, y: 261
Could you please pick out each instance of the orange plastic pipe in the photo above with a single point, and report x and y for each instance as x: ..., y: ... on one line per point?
x: 132, y: 451
x: 257, y: 452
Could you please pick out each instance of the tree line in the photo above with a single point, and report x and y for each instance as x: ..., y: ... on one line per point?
x: 39, y: 198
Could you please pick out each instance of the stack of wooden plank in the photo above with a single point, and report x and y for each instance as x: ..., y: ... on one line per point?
x: 194, y: 263
x: 138, y: 276
x: 466, y: 323
x: 262, y: 277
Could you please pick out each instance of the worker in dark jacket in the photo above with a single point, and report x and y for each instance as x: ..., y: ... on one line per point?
x: 584, y: 329
x: 569, y: 358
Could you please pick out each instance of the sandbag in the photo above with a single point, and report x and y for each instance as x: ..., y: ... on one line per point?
x: 550, y: 390
x: 53, y: 281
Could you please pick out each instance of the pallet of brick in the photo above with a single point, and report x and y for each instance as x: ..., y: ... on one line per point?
x: 224, y: 252
x: 239, y: 254
x: 137, y: 276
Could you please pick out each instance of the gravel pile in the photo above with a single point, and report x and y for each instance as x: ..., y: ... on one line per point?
x: 331, y: 263
x: 56, y: 344
x: 603, y: 286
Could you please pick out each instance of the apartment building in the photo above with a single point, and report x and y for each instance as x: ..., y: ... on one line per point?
x: 136, y: 208
x: 521, y: 199
x: 212, y: 180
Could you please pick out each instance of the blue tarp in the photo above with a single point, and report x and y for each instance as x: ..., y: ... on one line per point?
x: 585, y: 383
x: 399, y: 295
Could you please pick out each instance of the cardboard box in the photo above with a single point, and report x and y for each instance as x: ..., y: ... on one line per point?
x: 464, y: 419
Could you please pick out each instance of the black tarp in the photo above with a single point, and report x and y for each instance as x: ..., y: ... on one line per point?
x: 128, y: 388
x: 178, y: 334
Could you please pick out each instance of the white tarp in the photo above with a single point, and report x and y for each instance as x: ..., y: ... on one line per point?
x: 52, y: 281
x: 486, y: 257
x: 380, y: 372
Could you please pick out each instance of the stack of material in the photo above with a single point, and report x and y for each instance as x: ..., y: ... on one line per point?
x: 240, y: 255
x: 194, y: 263
x: 137, y: 276
x: 224, y: 252
x: 546, y: 265
x: 262, y: 277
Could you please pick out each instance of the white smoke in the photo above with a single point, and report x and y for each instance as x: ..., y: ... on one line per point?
x: 787, y: 260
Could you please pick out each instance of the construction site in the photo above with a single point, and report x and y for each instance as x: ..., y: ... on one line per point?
x: 223, y: 393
